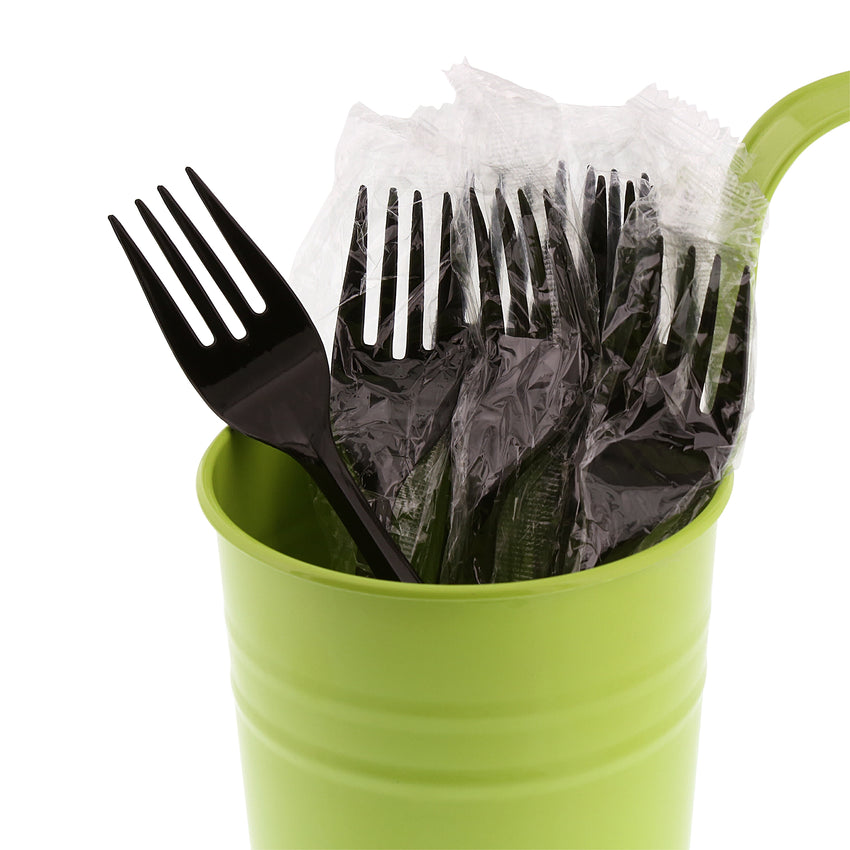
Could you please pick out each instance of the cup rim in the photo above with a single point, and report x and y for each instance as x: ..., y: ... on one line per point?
x: 230, y: 531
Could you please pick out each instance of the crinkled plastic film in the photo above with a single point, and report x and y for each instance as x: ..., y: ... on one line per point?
x: 562, y: 368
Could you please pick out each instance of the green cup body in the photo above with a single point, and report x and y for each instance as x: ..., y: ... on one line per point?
x: 560, y: 712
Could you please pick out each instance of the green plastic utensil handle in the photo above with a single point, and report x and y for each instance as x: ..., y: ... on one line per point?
x: 791, y: 125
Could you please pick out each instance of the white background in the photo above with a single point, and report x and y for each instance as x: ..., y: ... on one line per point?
x: 116, y: 719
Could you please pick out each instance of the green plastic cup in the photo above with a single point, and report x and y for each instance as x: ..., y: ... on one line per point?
x: 560, y: 712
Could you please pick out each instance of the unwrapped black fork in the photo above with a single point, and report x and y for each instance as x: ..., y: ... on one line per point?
x: 272, y: 384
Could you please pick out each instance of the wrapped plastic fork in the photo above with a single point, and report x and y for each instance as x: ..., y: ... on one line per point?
x: 399, y: 342
x: 506, y: 256
x: 541, y: 506
x: 656, y: 444
x: 391, y: 414
x: 522, y: 393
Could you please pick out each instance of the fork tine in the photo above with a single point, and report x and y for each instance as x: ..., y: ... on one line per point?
x: 597, y: 234
x: 574, y: 310
x: 266, y: 278
x: 182, y: 339
x: 185, y: 274
x: 589, y: 198
x: 515, y: 263
x: 729, y: 401
x: 492, y: 321
x: 416, y: 280
x: 561, y: 184
x: 615, y: 224
x: 352, y: 300
x: 541, y: 304
x: 208, y: 257
x: 705, y: 333
x: 389, y: 277
x: 629, y: 199
x: 684, y: 309
x: 450, y: 293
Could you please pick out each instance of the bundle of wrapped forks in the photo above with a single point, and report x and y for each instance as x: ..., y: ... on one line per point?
x: 551, y: 422
x: 525, y: 379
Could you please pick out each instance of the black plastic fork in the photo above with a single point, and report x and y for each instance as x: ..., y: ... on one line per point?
x: 391, y: 414
x: 272, y: 384
x: 519, y: 395
x: 605, y: 211
x: 657, y: 445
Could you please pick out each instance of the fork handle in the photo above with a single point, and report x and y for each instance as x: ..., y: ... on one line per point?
x: 373, y: 540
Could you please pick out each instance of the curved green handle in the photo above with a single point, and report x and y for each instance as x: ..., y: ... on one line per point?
x: 791, y: 125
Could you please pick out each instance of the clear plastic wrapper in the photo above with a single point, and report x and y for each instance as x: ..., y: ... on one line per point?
x: 399, y: 341
x: 655, y: 444
x: 392, y: 414
x: 522, y: 393
x: 558, y: 307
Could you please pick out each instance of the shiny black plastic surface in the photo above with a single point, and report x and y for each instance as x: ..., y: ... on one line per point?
x: 272, y: 384
x: 655, y: 446
x: 581, y: 429
x: 522, y: 392
x: 391, y: 416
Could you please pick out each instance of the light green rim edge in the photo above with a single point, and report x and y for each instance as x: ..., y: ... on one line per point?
x: 231, y: 532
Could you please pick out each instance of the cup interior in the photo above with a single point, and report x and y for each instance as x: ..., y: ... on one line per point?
x: 264, y: 502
